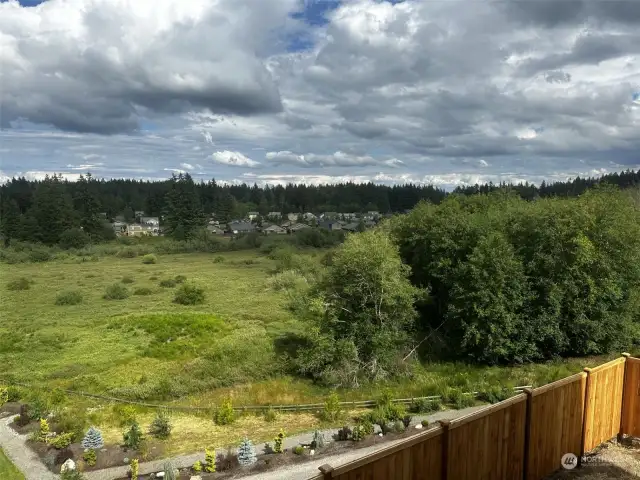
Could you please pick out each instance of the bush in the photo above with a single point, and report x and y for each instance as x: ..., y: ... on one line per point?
x: 218, y: 259
x: 43, y: 432
x: 149, y: 259
x: 4, y: 395
x: 69, y: 298
x: 318, y: 440
x: 224, y: 414
x: 133, y: 437
x: 127, y: 279
x: 168, y: 283
x: 73, y: 422
x: 270, y: 415
x: 458, y: 398
x: 357, y: 434
x: 14, y: 393
x: 180, y: 278
x: 425, y: 405
x: 72, y: 475
x: 496, y: 394
x: 61, y: 441
x: 246, y: 453
x: 93, y: 439
x: 41, y: 254
x: 73, y: 238
x: 209, y: 460
x: 197, y: 467
x: 298, y: 450
x: 189, y: 294
x: 331, y: 411
x: 19, y: 284
x: 134, y: 468
x: 143, y: 291
x: 278, y: 442
x: 161, y: 427
x: 90, y: 457
x: 425, y: 423
x: 399, y: 426
x: 227, y: 461
x: 344, y: 434
x: 117, y: 291
x: 406, y: 420
x: 124, y: 414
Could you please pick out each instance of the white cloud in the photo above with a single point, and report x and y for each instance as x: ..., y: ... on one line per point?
x: 186, y: 166
x: 234, y: 159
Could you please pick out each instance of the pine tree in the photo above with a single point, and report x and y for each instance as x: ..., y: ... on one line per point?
x: 28, y: 229
x: 93, y: 439
x: 209, y: 460
x: 128, y: 214
x: 225, y: 206
x: 247, y: 453
x: 184, y: 214
x: 88, y: 207
x: 10, y: 221
x: 52, y: 208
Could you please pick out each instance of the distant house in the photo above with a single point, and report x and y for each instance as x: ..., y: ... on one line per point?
x: 215, y: 229
x: 287, y: 224
x: 136, y: 230
x: 329, y: 215
x: 241, y: 227
x: 330, y: 225
x: 151, y: 221
x: 308, y: 216
x: 274, y: 229
x: 351, y: 227
x: 118, y: 227
x: 296, y: 227
x: 292, y: 217
x: 274, y: 215
x: 349, y: 216
x: 252, y: 215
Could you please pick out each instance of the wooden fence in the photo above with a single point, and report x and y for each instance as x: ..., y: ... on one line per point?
x: 524, y: 437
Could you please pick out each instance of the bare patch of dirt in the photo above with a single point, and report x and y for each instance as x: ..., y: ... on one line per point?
x: 608, y: 462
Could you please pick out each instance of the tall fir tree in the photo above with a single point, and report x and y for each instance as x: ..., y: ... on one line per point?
x: 52, y: 208
x: 10, y: 221
x: 225, y: 206
x: 88, y: 207
x: 184, y: 214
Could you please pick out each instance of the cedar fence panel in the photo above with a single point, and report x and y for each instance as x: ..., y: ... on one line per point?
x: 418, y: 458
x: 555, y: 421
x: 630, y: 424
x: 489, y: 444
x: 603, y: 403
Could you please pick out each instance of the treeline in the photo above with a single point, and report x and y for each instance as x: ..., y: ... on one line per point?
x: 490, y: 279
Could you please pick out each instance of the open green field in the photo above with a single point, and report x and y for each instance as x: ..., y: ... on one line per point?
x: 8, y: 471
x: 147, y: 348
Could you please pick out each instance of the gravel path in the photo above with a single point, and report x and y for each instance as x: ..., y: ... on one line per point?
x: 15, y: 448
x: 14, y: 445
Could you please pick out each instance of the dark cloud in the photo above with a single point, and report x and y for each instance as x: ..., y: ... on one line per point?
x: 557, y: 76
x: 554, y: 13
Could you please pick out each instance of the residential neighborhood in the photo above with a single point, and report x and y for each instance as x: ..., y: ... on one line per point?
x: 273, y: 223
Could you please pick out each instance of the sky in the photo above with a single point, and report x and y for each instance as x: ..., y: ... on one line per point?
x: 445, y: 92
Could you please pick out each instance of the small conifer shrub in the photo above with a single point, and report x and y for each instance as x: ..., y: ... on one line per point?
x: 246, y: 453
x: 93, y: 439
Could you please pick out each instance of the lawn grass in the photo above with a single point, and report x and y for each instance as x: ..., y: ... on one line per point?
x: 148, y: 348
x: 8, y: 470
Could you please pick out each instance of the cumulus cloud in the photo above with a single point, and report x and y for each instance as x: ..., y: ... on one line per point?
x: 233, y: 159
x: 382, y: 91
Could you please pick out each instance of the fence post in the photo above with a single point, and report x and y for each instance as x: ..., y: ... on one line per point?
x: 445, y: 424
x: 327, y: 471
x: 527, y: 432
x: 624, y: 388
x: 585, y: 418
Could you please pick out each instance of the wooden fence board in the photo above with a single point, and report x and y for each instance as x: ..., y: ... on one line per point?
x: 603, y: 403
x: 631, y: 402
x: 556, y: 424
x: 489, y: 444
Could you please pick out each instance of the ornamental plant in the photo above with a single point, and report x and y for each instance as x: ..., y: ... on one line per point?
x: 247, y: 453
x: 93, y: 439
x: 209, y: 460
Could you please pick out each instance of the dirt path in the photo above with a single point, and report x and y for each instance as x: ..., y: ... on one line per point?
x: 15, y: 448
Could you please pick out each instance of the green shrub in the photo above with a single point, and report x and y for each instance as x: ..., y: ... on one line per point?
x: 127, y: 252
x: 298, y: 450
x: 197, y: 467
x: 63, y: 440
x: 331, y: 411
x: 72, y: 475
x: 227, y: 461
x: 124, y: 414
x: 133, y: 465
x: 168, y: 283
x: 14, y: 393
x: 278, y: 442
x: 357, y: 434
x: 218, y: 259
x: 142, y: 291
x: 4, y: 395
x: 44, y: 430
x: 344, y: 434
x: 318, y: 440
x: 90, y: 457
x: 406, y: 420
x: 180, y: 278
x: 69, y: 298
x: 425, y: 423
x: 117, y: 291
x: 74, y: 422
x: 127, y: 279
x: 224, y: 414
x: 189, y: 294
x: 74, y: 238
x: 161, y: 427
x: 19, y: 284
x: 425, y: 405
x: 495, y: 394
x: 133, y: 437
x: 149, y: 259
x: 209, y: 460
x: 458, y: 398
x: 398, y: 426
x: 270, y: 415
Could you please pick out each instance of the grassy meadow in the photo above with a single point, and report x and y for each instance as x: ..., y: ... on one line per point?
x: 147, y: 348
x: 8, y: 471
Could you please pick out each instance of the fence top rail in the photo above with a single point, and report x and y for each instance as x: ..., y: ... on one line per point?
x: 458, y: 422
x: 558, y: 384
x: 401, y: 445
x: 606, y: 366
x: 633, y: 359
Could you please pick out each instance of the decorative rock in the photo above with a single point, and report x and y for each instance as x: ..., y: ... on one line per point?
x: 160, y: 475
x: 312, y: 452
x: 380, y: 434
x: 125, y: 460
x: 419, y: 426
x: 195, y: 477
x: 68, y: 465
